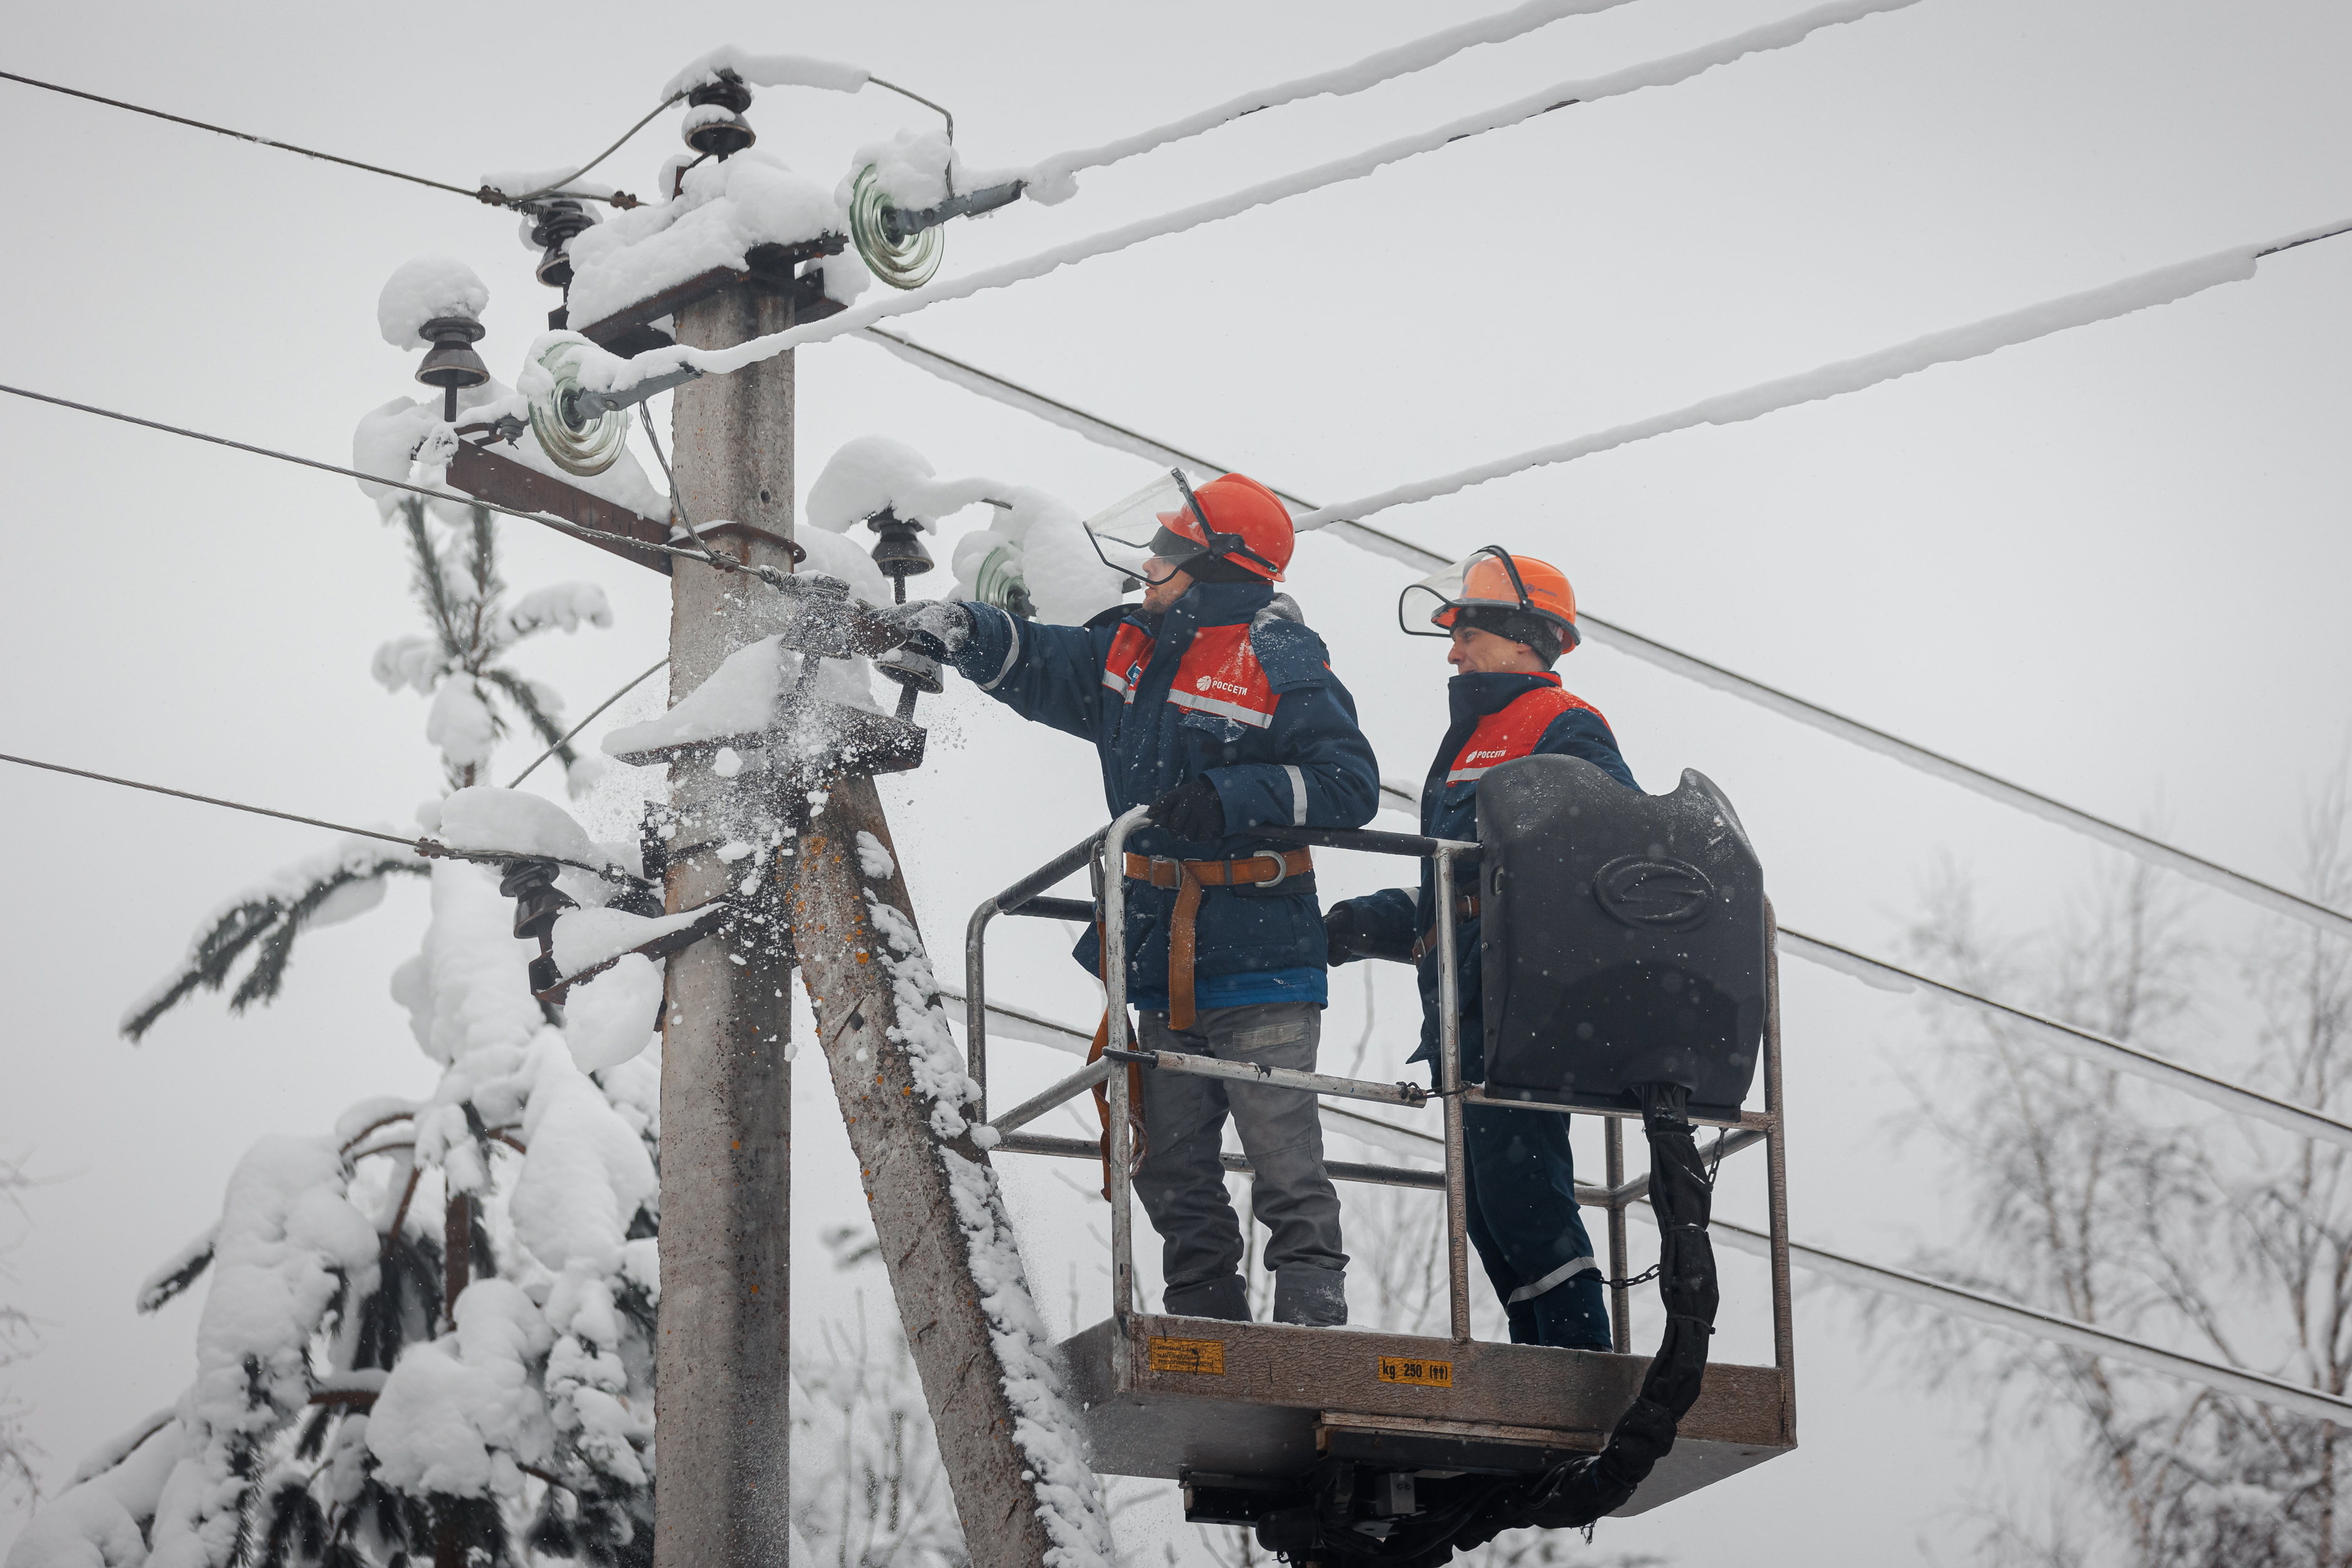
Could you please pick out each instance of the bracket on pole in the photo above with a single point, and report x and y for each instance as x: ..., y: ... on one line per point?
x: 769, y: 268
x: 481, y: 472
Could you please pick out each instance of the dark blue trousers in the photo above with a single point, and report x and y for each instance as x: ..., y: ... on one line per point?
x: 1523, y: 1220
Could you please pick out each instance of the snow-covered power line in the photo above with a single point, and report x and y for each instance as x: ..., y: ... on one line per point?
x: 2164, y: 286
x: 2095, y: 1048
x: 1663, y: 72
x: 2050, y: 1327
x: 1052, y: 180
x: 1610, y: 634
x: 489, y: 195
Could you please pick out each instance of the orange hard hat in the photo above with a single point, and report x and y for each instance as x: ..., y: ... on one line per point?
x: 1248, y: 526
x: 1233, y: 521
x: 1495, y: 588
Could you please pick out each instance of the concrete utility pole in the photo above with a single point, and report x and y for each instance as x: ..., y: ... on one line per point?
x: 722, y: 1497
x: 723, y: 1366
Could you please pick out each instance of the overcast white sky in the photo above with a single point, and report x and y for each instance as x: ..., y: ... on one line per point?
x: 2109, y: 565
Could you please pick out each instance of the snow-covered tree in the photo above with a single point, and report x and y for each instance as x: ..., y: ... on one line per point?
x: 428, y: 1331
x: 16, y: 1340
x: 2106, y: 1200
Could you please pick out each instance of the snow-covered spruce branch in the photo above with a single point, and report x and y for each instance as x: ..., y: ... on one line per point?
x: 265, y: 919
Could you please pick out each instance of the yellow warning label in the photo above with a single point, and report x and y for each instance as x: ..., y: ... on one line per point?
x: 1204, y: 1358
x: 1427, y: 1373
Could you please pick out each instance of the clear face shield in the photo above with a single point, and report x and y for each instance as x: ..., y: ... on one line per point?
x: 1132, y: 534
x: 1484, y: 579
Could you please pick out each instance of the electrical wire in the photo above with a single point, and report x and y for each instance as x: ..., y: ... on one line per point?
x: 212, y: 800
x: 573, y: 733
x: 938, y: 109
x: 1610, y: 634
x: 632, y: 130
x: 430, y: 848
x: 487, y: 195
x: 2096, y: 1048
x: 767, y: 574
x: 1959, y: 1302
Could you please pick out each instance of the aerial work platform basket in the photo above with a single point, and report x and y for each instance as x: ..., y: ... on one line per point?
x: 1239, y: 1413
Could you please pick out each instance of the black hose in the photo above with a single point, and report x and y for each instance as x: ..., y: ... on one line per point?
x: 1469, y: 1512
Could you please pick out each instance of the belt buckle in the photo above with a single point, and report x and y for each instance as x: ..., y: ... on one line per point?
x: 1175, y: 871
x: 1281, y: 866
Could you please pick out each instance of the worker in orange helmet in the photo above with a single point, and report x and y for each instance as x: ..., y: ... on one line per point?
x: 1508, y: 619
x: 1215, y: 704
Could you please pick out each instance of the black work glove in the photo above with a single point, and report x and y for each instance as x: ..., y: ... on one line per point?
x: 1191, y: 811
x: 1340, y: 933
x: 936, y: 628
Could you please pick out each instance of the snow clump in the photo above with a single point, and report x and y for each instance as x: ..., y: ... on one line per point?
x: 457, y: 1415
x: 419, y: 291
x: 739, y: 699
x: 763, y: 70
x: 610, y: 1019
x: 723, y: 211
x: 873, y: 472
x: 485, y: 816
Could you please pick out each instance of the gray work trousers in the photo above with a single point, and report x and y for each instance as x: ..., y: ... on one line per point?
x: 1183, y: 1181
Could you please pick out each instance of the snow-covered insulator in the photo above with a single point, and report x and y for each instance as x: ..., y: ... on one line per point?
x: 558, y: 220
x: 715, y: 126
x: 900, y: 257
x: 903, y: 247
x: 998, y: 582
x: 899, y: 549
x: 451, y: 361
x: 576, y: 442
x: 538, y: 902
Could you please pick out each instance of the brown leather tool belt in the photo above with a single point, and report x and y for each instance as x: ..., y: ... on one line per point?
x: 1189, y: 877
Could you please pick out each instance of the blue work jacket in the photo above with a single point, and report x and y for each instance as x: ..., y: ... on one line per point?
x: 1230, y: 686
x: 1494, y: 719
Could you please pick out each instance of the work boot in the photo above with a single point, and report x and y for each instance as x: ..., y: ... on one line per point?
x: 1573, y: 1314
x: 1224, y: 1297
x: 1312, y: 1298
